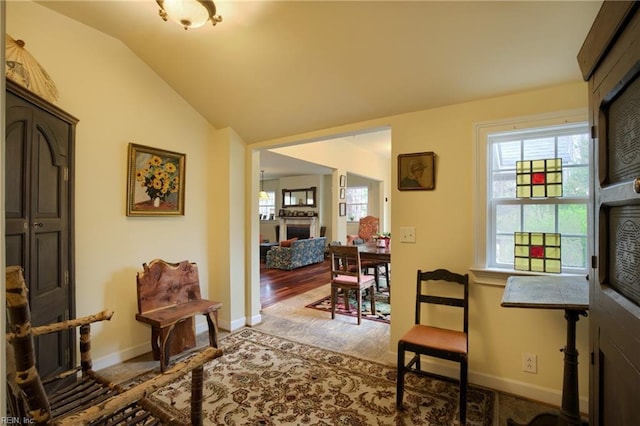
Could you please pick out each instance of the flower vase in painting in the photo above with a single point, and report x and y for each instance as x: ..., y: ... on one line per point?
x: 159, y: 178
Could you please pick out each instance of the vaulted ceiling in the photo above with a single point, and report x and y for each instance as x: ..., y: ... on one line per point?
x: 278, y: 68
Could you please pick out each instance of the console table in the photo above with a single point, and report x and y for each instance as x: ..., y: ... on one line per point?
x: 555, y: 292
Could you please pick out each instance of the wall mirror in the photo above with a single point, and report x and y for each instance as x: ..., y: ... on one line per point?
x: 302, y: 197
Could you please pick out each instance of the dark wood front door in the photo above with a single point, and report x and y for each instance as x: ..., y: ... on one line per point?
x: 39, y: 146
x: 610, y: 60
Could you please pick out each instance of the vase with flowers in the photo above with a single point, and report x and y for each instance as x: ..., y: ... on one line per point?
x: 383, y: 239
x: 159, y: 179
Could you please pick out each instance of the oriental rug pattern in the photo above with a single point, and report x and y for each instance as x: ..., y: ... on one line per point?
x: 383, y: 308
x: 267, y: 380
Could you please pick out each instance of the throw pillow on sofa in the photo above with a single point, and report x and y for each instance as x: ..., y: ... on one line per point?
x: 287, y: 243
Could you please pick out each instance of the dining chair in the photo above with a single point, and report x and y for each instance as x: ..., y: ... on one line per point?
x: 435, y: 288
x: 368, y: 227
x: 347, y: 275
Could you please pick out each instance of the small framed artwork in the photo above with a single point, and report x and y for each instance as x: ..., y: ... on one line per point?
x: 342, y: 209
x: 416, y: 171
x: 343, y: 181
x: 155, y: 182
x: 342, y: 193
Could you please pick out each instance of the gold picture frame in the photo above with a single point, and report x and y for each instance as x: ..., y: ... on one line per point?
x: 155, y: 182
x: 416, y: 171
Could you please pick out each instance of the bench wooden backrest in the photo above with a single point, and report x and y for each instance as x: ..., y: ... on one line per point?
x: 163, y: 284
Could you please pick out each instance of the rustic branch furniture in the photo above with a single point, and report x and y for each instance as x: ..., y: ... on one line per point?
x: 429, y: 340
x: 555, y: 292
x: 89, y: 398
x: 168, y: 300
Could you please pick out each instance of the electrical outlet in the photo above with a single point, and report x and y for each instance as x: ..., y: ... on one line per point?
x: 408, y: 234
x: 529, y: 363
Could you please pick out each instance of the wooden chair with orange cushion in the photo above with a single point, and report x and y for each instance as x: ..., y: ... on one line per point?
x: 346, y: 275
x: 444, y: 343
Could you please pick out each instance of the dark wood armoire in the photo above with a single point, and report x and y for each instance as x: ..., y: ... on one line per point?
x: 39, y: 156
x: 610, y: 62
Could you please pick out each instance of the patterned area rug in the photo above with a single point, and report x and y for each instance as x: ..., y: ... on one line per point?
x: 383, y: 308
x: 267, y: 380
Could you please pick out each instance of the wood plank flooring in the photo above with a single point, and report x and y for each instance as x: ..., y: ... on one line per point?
x: 278, y: 284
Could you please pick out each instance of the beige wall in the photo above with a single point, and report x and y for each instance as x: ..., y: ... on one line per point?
x: 118, y: 100
x: 444, y: 219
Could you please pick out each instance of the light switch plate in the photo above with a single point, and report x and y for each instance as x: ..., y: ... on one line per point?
x: 408, y: 234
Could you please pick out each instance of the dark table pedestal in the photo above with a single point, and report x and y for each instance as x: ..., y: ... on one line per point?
x: 570, y: 294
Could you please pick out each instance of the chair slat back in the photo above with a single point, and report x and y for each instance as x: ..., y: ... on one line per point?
x: 345, y: 260
x: 442, y: 275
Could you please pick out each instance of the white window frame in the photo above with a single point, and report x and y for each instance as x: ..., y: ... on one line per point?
x: 351, y: 188
x: 484, y: 273
x: 272, y: 196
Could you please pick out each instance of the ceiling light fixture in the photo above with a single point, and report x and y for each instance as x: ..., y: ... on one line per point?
x: 263, y: 194
x: 189, y: 13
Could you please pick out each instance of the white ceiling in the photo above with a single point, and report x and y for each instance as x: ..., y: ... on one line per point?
x: 280, y: 68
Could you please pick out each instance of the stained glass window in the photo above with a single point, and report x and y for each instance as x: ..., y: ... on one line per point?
x: 537, y: 252
x: 507, y: 212
x: 539, y: 178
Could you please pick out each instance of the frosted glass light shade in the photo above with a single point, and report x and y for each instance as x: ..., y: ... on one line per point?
x: 189, y: 13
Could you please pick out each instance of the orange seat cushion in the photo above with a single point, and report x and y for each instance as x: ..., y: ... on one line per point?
x: 434, y: 337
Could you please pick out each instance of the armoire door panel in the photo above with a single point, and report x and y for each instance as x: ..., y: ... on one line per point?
x: 15, y: 182
x: 39, y: 216
x: 51, y: 350
x: 47, y: 266
x: 16, y: 249
x: 50, y: 176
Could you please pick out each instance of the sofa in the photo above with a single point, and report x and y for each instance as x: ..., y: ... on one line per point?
x: 299, y: 253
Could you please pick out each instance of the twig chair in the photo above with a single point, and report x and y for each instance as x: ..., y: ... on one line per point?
x: 90, y: 398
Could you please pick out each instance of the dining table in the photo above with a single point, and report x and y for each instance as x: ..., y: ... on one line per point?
x: 380, y: 256
x: 370, y: 251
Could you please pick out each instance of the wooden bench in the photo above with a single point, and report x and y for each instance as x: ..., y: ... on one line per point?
x: 168, y: 300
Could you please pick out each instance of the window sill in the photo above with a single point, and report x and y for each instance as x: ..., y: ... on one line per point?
x: 498, y: 277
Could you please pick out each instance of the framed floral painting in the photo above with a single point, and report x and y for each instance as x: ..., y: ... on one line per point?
x: 155, y: 182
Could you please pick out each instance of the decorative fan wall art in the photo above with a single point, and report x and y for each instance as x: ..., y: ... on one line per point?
x: 23, y: 68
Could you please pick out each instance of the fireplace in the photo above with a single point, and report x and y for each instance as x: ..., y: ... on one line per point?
x: 301, y: 232
x: 301, y: 227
